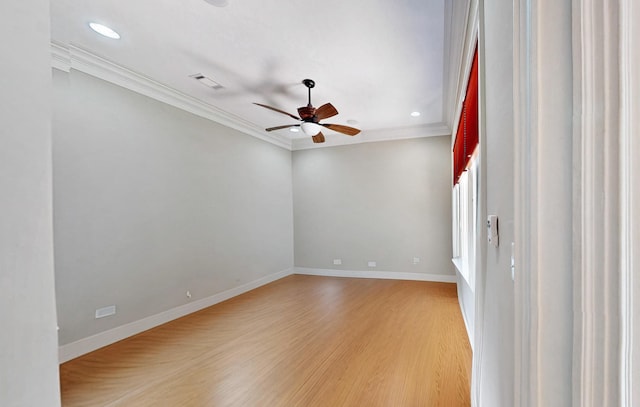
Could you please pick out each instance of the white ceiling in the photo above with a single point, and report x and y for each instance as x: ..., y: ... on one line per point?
x: 376, y: 61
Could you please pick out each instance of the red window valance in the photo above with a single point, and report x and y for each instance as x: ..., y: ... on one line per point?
x: 467, y: 134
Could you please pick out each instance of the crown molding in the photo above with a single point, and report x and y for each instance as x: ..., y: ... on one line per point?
x: 370, y: 136
x: 60, y: 57
x: 463, y: 43
x: 68, y: 57
x: 457, y: 14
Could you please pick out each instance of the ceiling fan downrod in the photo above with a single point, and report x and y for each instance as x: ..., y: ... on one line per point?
x: 309, y: 83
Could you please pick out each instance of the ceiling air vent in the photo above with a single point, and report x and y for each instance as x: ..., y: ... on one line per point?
x: 208, y: 82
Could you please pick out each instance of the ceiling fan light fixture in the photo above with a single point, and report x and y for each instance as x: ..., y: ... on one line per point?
x: 294, y: 129
x: 310, y: 128
x: 104, y: 30
x: 415, y: 114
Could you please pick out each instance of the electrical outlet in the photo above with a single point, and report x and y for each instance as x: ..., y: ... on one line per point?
x: 416, y: 260
x: 337, y: 262
x: 372, y: 264
x: 105, y: 311
x: 188, y: 294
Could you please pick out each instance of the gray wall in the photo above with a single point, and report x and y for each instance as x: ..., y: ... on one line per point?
x: 386, y: 202
x: 28, y: 343
x: 151, y: 201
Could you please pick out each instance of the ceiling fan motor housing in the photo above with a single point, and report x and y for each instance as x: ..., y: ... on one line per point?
x: 307, y: 113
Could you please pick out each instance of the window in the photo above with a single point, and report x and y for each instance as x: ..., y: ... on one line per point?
x: 465, y: 180
x: 465, y: 213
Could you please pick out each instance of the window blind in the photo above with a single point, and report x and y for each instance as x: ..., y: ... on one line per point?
x: 467, y: 134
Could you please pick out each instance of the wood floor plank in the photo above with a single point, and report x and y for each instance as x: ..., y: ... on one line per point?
x: 301, y: 341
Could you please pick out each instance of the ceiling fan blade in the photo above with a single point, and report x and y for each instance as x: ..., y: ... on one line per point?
x: 278, y: 110
x: 286, y: 126
x: 349, y: 131
x: 325, y: 111
x: 318, y: 138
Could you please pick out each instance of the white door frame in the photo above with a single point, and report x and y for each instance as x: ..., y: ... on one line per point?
x: 543, y: 103
x: 604, y: 231
x: 629, y: 40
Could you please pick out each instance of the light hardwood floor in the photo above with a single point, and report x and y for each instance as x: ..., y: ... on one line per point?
x: 301, y: 341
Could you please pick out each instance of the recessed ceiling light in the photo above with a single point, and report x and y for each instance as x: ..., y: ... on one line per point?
x: 104, y: 30
x: 415, y: 114
x: 294, y: 129
x: 218, y: 3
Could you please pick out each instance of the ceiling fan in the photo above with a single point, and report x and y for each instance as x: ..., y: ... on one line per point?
x: 310, y: 118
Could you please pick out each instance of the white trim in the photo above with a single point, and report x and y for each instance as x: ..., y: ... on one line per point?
x: 383, y: 275
x: 525, y: 227
x: 461, y: 71
x: 629, y: 93
x: 457, y: 263
x: 595, y: 203
x: 97, y: 341
x: 67, y: 57
x: 626, y: 264
x: 370, y: 136
x: 456, y: 15
x: 60, y: 57
x: 466, y: 324
x: 465, y: 318
x: 460, y: 282
x: 91, y: 343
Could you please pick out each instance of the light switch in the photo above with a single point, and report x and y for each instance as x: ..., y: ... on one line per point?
x: 492, y: 230
x: 513, y: 261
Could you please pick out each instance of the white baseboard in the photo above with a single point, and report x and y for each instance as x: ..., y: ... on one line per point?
x: 466, y: 323
x: 386, y: 275
x: 97, y: 341
x: 464, y: 306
